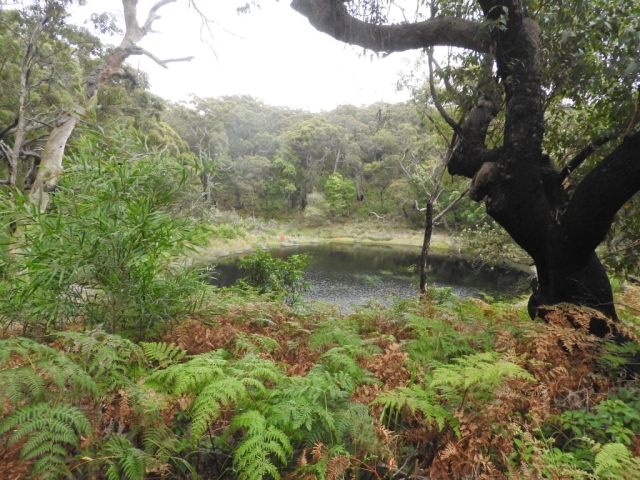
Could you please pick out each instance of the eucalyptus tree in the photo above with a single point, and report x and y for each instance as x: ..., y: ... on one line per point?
x: 81, y: 97
x: 308, y: 148
x: 532, y: 60
x: 43, y: 60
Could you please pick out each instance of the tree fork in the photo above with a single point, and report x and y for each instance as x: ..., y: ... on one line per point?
x: 522, y: 186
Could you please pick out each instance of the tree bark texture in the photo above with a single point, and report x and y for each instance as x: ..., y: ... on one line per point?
x: 559, y: 228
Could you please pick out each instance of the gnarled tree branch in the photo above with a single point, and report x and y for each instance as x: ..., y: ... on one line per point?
x: 333, y: 18
x: 597, y: 198
x: 50, y: 168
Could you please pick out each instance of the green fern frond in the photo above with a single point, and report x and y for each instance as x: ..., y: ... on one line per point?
x: 252, y: 458
x: 256, y: 367
x: 415, y: 398
x: 216, y: 396
x: 106, y: 356
x: 22, y: 348
x: 614, y: 461
x: 153, y: 438
x: 339, y: 359
x: 335, y: 332
x: 125, y: 461
x: 21, y: 383
x: 355, y: 422
x: 48, y: 430
x: 312, y: 408
x: 66, y: 374
x: 147, y: 404
x: 163, y: 354
x: 42, y: 371
x: 190, y: 377
x: 480, y: 373
x: 255, y: 343
x: 435, y: 340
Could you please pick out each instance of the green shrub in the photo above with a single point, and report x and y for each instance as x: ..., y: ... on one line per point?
x: 615, y: 420
x: 106, y: 252
x: 282, y: 278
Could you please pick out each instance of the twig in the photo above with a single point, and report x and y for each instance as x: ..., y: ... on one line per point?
x: 432, y: 88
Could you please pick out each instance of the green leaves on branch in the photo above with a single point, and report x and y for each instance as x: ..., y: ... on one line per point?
x: 340, y: 194
x: 284, y: 279
x: 107, y: 252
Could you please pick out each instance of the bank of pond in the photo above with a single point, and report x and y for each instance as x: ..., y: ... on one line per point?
x: 354, y: 274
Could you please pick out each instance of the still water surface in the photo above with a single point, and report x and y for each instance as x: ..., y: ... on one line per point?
x: 349, y: 275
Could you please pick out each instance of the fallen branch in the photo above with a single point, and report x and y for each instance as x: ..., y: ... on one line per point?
x: 379, y: 217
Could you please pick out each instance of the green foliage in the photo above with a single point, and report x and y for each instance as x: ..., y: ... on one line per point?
x: 48, y: 430
x: 35, y: 372
x: 106, y: 253
x: 190, y: 376
x: 316, y: 408
x: 474, y: 377
x: 614, y: 461
x: 225, y: 231
x: 434, y: 340
x: 237, y: 413
x: 216, y: 383
x: 106, y: 357
x: 416, y: 399
x: 340, y: 193
x: 466, y: 382
x: 125, y: 461
x: 615, y: 420
x: 284, y: 279
x: 252, y: 458
x: 162, y: 354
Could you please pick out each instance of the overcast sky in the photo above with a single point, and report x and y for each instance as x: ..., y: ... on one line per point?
x: 273, y: 54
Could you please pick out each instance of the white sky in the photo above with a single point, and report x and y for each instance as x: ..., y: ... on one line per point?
x: 273, y: 54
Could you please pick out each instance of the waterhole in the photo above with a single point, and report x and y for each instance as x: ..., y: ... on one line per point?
x: 349, y: 275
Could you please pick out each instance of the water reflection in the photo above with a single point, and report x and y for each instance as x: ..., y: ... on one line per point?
x: 349, y: 275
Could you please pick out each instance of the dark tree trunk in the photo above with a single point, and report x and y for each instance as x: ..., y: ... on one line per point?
x: 424, y: 255
x: 586, y: 285
x: 525, y: 193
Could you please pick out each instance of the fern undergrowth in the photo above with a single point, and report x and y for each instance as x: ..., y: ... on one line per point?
x: 454, y: 389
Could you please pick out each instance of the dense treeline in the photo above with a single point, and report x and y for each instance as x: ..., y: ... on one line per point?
x: 377, y: 161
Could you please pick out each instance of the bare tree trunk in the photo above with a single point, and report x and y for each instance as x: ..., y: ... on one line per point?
x: 50, y: 168
x: 426, y: 244
x: 337, y: 162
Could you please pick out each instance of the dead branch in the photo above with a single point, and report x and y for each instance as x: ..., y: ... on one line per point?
x: 9, y: 128
x: 383, y: 218
x: 576, y: 161
x: 163, y: 63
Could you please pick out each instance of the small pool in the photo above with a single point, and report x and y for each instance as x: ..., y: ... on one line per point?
x: 349, y: 275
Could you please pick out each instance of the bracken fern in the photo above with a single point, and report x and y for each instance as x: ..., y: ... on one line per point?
x: 107, y: 357
x: 30, y: 370
x: 47, y: 430
x: 253, y: 457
